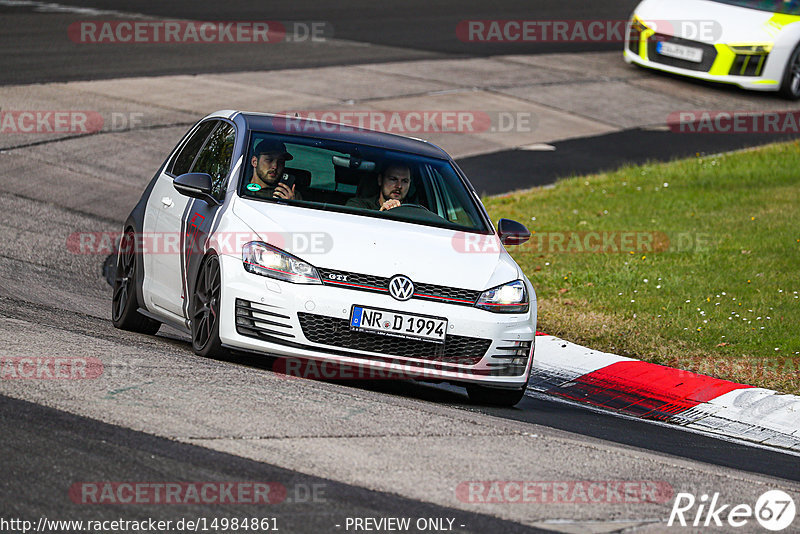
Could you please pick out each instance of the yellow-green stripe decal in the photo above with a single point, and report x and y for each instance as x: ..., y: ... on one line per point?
x: 778, y: 21
x: 723, y: 62
x: 643, y: 38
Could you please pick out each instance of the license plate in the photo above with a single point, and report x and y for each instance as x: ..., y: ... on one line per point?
x: 397, y: 324
x: 677, y: 51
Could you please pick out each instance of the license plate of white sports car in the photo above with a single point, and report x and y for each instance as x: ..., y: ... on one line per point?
x: 677, y: 51
x: 398, y: 324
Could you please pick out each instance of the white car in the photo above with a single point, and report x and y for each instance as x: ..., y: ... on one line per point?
x: 424, y: 290
x: 750, y: 43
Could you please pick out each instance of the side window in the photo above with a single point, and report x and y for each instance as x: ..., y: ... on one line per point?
x: 215, y: 158
x: 451, y: 201
x: 183, y: 161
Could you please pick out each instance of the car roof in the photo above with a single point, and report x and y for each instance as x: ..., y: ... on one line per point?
x: 267, y: 122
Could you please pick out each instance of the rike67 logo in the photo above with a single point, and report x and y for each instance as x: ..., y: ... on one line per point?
x: 774, y: 510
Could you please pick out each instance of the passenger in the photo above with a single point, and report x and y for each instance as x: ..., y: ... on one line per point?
x: 393, y: 185
x: 269, y: 158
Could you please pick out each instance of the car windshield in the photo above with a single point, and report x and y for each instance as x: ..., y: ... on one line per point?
x: 352, y: 178
x: 773, y: 6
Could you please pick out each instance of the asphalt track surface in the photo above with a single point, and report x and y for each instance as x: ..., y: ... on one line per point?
x: 36, y: 47
x: 44, y: 450
x: 95, y: 451
x: 507, y: 170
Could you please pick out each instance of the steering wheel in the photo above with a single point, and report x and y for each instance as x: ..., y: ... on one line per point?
x: 418, y: 206
x: 418, y: 212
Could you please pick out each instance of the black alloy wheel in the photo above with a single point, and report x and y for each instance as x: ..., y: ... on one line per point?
x: 790, y: 87
x: 125, y: 304
x: 206, y: 308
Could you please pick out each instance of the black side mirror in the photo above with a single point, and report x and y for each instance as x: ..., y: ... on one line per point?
x: 512, y: 232
x: 195, y: 185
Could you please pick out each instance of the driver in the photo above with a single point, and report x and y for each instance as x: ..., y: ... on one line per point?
x: 393, y: 185
x: 268, y: 161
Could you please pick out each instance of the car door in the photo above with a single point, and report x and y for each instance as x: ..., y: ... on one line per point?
x: 215, y: 160
x: 190, y: 219
x: 161, y: 237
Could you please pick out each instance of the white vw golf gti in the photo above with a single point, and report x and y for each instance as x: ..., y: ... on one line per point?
x: 327, y: 243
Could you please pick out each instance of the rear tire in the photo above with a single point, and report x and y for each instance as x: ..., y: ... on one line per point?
x: 790, y: 85
x: 205, y: 310
x: 125, y: 304
x: 490, y: 396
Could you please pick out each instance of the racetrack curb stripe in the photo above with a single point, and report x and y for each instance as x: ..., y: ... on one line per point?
x: 665, y: 394
x: 644, y: 389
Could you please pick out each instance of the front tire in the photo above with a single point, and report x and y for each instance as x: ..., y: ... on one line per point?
x: 205, y: 309
x: 490, y: 396
x: 124, y: 303
x: 790, y: 85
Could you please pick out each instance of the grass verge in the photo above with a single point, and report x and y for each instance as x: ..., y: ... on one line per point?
x: 693, y: 264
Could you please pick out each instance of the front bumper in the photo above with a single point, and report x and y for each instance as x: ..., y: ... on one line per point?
x: 757, y: 68
x: 312, y: 322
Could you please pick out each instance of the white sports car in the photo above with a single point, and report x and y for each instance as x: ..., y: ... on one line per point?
x: 328, y: 243
x: 754, y: 44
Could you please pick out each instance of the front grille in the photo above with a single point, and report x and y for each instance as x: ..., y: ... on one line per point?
x: 261, y: 320
x: 748, y: 65
x: 357, y: 281
x: 336, y: 332
x: 709, y: 53
x: 455, y: 295
x: 513, y: 349
x: 380, y: 284
x: 513, y: 356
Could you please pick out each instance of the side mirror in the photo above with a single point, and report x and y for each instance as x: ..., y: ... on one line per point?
x: 195, y: 185
x: 512, y: 232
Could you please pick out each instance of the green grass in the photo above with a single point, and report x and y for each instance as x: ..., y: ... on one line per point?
x: 718, y: 290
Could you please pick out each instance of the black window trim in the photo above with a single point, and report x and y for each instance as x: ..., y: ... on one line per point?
x: 168, y: 169
x: 231, y: 164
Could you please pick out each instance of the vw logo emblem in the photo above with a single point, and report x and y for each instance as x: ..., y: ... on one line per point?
x: 401, y: 287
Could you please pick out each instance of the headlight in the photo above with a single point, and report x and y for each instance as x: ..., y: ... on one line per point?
x: 754, y: 49
x: 508, y: 298
x: 266, y: 260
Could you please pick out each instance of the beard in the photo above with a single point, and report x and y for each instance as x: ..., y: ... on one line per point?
x: 395, y: 194
x: 265, y: 177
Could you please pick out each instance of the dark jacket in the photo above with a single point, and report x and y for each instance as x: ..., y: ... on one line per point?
x: 367, y: 203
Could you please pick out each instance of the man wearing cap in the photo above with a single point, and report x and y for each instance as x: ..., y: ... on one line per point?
x: 268, y: 163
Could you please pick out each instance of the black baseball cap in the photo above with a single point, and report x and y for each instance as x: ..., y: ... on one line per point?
x: 271, y: 146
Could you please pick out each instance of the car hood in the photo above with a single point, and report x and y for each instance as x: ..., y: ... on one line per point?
x: 380, y: 247
x: 731, y: 24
